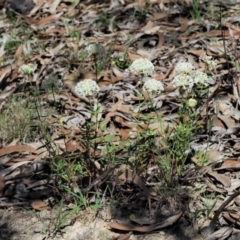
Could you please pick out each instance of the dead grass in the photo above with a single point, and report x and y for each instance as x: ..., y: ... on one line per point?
x: 20, y: 119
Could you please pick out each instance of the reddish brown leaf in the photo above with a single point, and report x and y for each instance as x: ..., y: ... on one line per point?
x: 43, y: 21
x: 73, y: 145
x: 158, y: 16
x: 229, y: 164
x: 40, y: 205
x: 133, y: 56
x: 20, y: 148
x: 184, y: 24
x: 233, y: 218
x: 197, y: 52
x: 225, y: 180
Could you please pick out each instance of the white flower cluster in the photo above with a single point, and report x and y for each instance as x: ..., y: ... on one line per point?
x: 186, y: 76
x: 87, y: 88
x: 142, y: 66
x: 184, y: 68
x: 91, y: 48
x: 210, y: 64
x: 183, y: 80
x: 94, y: 49
x: 192, y: 102
x: 153, y: 87
x: 52, y: 82
x: 27, y: 68
x: 201, y: 78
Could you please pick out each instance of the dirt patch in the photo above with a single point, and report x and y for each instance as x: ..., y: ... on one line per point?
x: 27, y: 225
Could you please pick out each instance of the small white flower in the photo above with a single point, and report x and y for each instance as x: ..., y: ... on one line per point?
x: 153, y: 87
x: 211, y: 64
x: 201, y: 78
x: 52, y: 82
x: 192, y: 102
x: 183, y: 80
x: 27, y: 69
x: 87, y: 88
x: 184, y: 68
x: 142, y: 66
x: 91, y: 49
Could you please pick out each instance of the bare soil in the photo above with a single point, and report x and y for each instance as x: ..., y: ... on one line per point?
x: 25, y: 225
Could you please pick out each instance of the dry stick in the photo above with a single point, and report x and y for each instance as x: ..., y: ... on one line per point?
x: 221, y: 208
x: 103, y: 176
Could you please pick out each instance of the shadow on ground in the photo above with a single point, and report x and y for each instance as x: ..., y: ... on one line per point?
x: 7, y: 231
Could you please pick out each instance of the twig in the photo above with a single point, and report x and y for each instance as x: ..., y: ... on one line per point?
x: 221, y: 208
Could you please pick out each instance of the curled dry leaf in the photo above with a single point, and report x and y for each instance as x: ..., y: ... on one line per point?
x: 40, y: 205
x: 222, y: 233
x: 229, y: 164
x: 233, y: 218
x: 144, y: 229
x: 225, y: 180
x: 73, y: 145
x: 13, y: 149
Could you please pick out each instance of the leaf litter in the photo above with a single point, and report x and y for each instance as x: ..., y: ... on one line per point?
x: 54, y: 37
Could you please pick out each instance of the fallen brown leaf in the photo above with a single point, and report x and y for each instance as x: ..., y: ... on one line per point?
x: 20, y: 148
x: 144, y: 229
x: 40, y: 205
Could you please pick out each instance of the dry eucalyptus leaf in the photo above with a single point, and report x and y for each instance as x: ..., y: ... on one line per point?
x: 40, y: 205
x: 144, y: 229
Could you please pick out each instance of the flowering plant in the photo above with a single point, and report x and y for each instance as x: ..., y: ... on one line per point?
x: 210, y: 64
x: 183, y: 80
x: 184, y: 68
x: 201, y: 78
x: 187, y: 76
x: 51, y: 82
x: 27, y: 68
x: 153, y: 87
x: 91, y: 48
x: 142, y: 66
x: 192, y: 102
x: 87, y: 88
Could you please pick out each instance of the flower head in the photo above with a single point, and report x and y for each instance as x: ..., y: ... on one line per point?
x: 51, y: 82
x: 27, y: 68
x: 95, y: 49
x: 210, y: 64
x: 201, y: 78
x: 87, y: 88
x: 183, y: 80
x: 142, y: 66
x: 192, y: 102
x: 153, y: 87
x: 91, y: 48
x: 184, y: 68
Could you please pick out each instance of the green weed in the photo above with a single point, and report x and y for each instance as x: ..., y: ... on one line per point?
x: 209, y: 201
x: 122, y: 61
x: 103, y: 20
x: 195, y: 10
x: 12, y: 45
x: 142, y: 13
x: 62, y: 218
